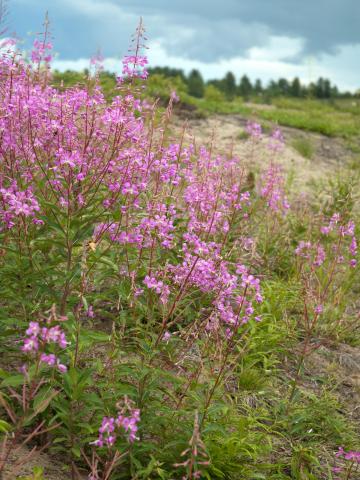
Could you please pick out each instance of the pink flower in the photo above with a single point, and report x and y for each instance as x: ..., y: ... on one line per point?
x: 353, y: 263
x: 277, y: 141
x: 320, y: 256
x: 62, y: 368
x: 319, y: 309
x: 107, y: 425
x: 353, y: 247
x: 166, y: 337
x: 253, y: 129
x: 174, y: 96
x: 30, y: 345
x: 48, y: 359
x: 108, y: 430
x: 34, y: 329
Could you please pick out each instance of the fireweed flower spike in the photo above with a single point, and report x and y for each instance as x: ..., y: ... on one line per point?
x: 276, y: 141
x: 126, y: 423
x: 254, y: 130
x: 39, y: 337
x: 272, y: 189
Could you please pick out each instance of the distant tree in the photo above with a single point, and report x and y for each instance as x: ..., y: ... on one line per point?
x: 273, y: 89
x: 295, y: 88
x: 159, y: 86
x: 334, y: 91
x: 283, y: 86
x: 229, y: 84
x: 245, y: 87
x: 218, y: 84
x: 312, y: 90
x: 167, y: 72
x: 327, y: 89
x: 69, y: 78
x: 258, y: 88
x: 195, y: 84
x: 319, y: 88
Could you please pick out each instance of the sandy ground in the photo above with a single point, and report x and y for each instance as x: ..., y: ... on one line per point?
x: 330, y: 154
x: 20, y: 464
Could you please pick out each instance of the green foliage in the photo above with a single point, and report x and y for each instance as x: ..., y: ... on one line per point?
x: 38, y: 474
x: 195, y: 84
x: 245, y: 87
x: 315, y: 116
x: 161, y: 87
x: 304, y: 146
x: 212, y: 94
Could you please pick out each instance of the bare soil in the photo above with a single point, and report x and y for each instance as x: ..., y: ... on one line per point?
x: 224, y: 132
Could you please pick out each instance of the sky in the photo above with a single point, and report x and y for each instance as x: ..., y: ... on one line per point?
x: 261, y: 38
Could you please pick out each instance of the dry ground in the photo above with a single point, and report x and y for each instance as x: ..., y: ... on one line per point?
x: 330, y: 154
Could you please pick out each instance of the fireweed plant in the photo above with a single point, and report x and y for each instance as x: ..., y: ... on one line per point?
x: 137, y: 277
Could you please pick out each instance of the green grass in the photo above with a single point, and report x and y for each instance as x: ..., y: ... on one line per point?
x: 304, y: 146
x: 335, y: 119
x: 331, y: 124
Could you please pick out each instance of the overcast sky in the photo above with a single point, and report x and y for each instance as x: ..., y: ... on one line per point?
x: 263, y: 38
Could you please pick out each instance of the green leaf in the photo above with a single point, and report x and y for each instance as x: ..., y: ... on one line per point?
x: 4, y: 426
x: 13, y: 381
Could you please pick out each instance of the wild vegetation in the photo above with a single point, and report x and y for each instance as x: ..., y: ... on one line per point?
x: 166, y: 312
x: 336, y: 116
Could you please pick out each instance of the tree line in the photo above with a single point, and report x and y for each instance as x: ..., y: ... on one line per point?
x: 230, y: 88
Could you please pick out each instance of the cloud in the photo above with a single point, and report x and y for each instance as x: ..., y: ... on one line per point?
x: 260, y: 37
x: 261, y: 63
x: 323, y: 24
x: 200, y: 29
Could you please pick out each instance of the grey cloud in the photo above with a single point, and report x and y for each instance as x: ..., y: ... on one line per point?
x: 324, y: 24
x: 205, y: 30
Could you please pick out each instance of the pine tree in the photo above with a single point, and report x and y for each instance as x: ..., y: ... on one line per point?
x: 229, y: 84
x: 283, y: 86
x: 258, y: 88
x: 195, y: 84
x: 245, y: 87
x: 295, y: 88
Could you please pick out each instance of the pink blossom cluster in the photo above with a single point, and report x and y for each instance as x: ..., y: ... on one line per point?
x: 15, y: 203
x: 111, y: 427
x: 272, y: 189
x: 41, y: 51
x: 96, y: 61
x: 134, y: 66
x: 351, y: 457
x: 39, y: 337
x: 343, y: 231
x: 276, y: 140
x: 214, y: 192
x: 253, y: 129
x: 163, y: 290
x: 72, y: 154
x: 234, y: 293
x: 157, y: 227
x: 315, y: 253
